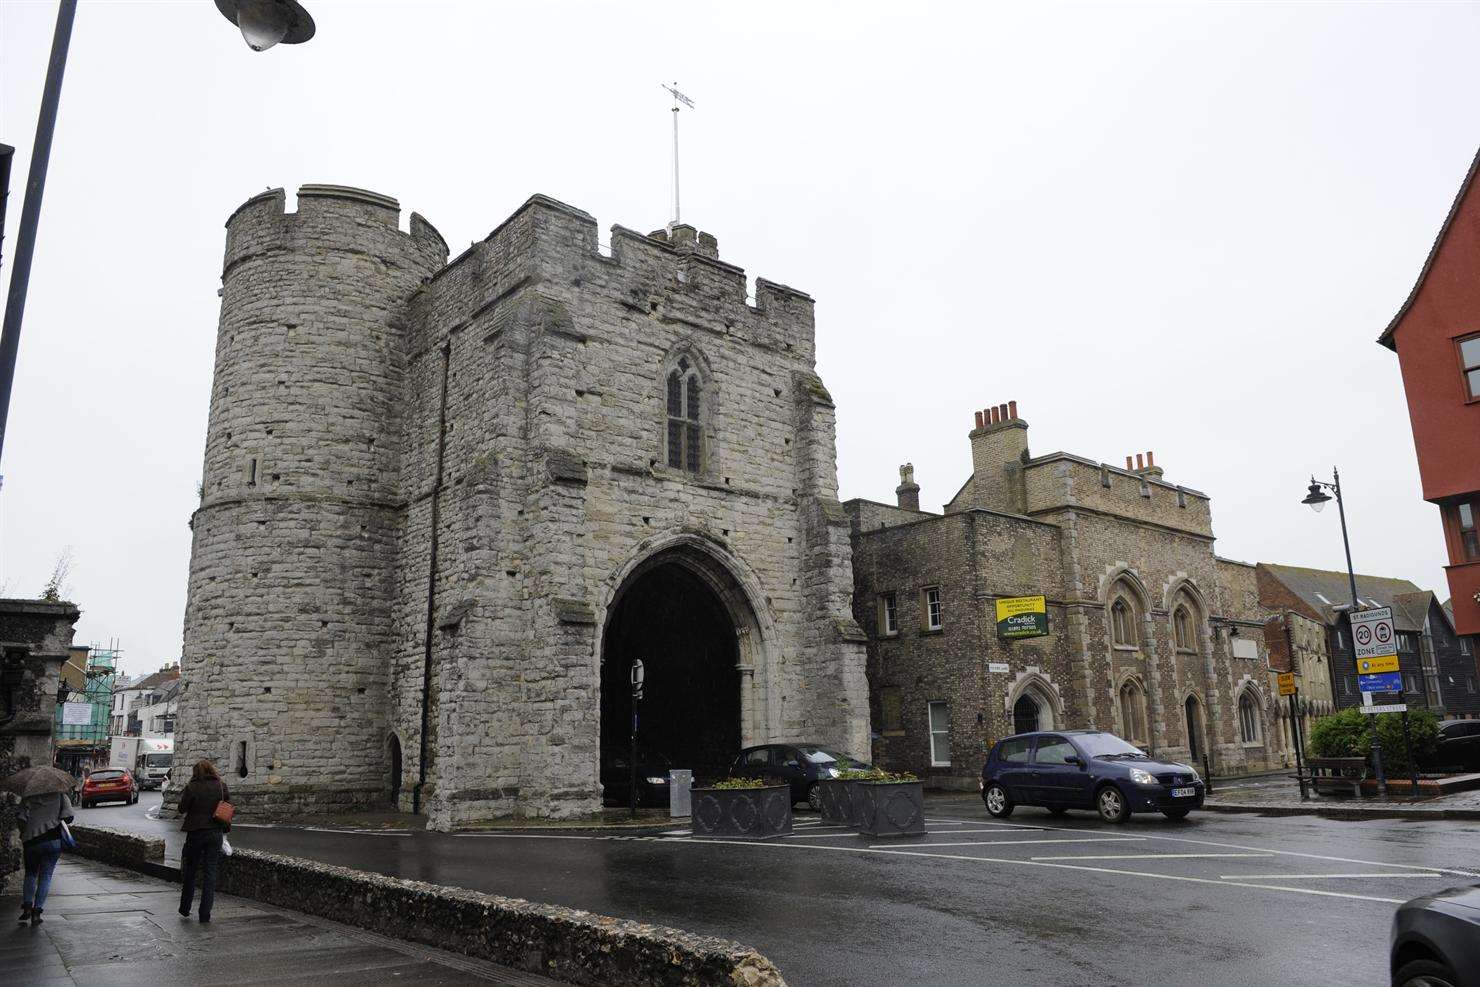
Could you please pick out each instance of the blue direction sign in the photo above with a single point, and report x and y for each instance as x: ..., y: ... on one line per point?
x: 1381, y: 682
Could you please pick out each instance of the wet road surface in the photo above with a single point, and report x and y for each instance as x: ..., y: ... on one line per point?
x: 1036, y: 899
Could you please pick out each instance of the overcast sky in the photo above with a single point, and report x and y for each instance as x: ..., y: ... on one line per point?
x: 1167, y: 227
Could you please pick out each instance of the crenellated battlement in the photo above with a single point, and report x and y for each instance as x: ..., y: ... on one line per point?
x: 331, y: 216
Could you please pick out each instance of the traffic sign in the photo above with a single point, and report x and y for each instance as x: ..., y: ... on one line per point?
x: 1373, y: 666
x: 1372, y: 633
x: 1287, y: 683
x: 1381, y: 682
x: 1385, y: 708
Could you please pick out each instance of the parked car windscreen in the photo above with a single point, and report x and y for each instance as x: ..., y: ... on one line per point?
x: 1104, y: 744
x: 819, y: 755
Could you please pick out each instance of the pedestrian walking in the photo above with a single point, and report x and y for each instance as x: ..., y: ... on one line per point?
x: 41, y: 818
x: 205, y: 805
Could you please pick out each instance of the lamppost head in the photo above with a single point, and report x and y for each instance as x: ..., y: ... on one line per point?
x: 1317, y: 498
x: 264, y: 23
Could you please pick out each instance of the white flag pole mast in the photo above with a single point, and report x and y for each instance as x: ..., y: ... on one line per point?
x: 678, y: 98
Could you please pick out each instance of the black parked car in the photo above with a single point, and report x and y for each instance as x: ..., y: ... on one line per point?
x: 801, y: 765
x: 1435, y: 940
x: 1085, y: 769
x: 652, y: 778
x: 1459, y: 745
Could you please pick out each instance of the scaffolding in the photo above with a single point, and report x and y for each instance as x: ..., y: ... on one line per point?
x: 98, y: 677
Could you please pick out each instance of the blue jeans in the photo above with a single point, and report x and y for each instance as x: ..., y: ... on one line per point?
x: 202, y: 854
x: 41, y: 860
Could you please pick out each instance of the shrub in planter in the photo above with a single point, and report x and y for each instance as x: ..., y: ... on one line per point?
x: 746, y: 807
x: 1347, y: 734
x: 893, y: 805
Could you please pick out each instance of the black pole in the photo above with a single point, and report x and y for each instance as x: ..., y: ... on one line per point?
x: 1299, y: 742
x: 632, y: 786
x: 1351, y: 574
x: 25, y: 238
x: 1207, y: 774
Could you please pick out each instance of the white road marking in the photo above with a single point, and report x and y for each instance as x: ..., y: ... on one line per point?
x: 1044, y: 863
x: 1152, y: 856
x: 1098, y: 839
x: 1318, y: 877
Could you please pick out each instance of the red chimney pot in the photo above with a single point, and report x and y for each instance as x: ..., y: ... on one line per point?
x: 979, y: 422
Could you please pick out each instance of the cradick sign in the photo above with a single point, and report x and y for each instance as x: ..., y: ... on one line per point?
x: 1022, y: 616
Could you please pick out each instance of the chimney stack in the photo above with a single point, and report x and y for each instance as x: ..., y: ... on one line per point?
x: 999, y: 445
x: 908, y: 491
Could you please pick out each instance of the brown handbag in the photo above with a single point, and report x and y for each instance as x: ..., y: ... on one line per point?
x: 224, y: 809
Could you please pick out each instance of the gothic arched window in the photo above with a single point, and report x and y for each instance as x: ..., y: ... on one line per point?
x: 1123, y: 623
x: 1182, y: 630
x: 1133, y: 713
x: 1248, y: 718
x: 685, y: 433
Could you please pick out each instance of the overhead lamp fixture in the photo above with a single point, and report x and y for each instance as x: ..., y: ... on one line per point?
x: 264, y: 23
x: 1317, y: 497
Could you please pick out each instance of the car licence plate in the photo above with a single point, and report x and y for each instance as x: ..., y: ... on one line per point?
x: 1183, y: 792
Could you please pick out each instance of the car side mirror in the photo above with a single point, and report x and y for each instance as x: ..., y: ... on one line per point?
x: 1074, y: 759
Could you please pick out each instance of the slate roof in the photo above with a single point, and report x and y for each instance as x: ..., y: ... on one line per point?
x: 1323, y: 590
x: 1386, y: 339
x: 156, y: 680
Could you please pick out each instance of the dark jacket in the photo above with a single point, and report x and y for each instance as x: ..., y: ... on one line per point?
x: 198, y: 802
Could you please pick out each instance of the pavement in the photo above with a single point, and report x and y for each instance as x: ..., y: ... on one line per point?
x: 1222, y: 899
x: 114, y: 928
x: 1279, y: 794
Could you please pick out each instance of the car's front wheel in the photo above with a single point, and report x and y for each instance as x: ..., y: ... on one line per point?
x: 995, y: 798
x: 1424, y: 973
x: 814, y: 797
x: 1112, y: 805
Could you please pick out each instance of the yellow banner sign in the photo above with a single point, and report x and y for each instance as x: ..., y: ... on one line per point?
x: 1022, y: 616
x: 1373, y: 666
x: 1287, y: 683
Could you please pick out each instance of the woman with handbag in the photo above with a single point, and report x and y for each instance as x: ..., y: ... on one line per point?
x: 43, y: 821
x: 205, y: 805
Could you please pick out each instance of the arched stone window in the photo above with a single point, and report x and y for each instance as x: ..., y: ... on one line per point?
x: 1133, y: 713
x: 1183, y: 630
x: 1250, y: 722
x: 1123, y: 623
x: 685, y: 391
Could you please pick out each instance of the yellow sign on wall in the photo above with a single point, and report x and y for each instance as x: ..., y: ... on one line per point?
x: 1022, y: 616
x: 1287, y: 683
x: 1374, y: 666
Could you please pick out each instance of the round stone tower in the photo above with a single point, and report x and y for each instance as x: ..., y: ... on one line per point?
x: 289, y: 622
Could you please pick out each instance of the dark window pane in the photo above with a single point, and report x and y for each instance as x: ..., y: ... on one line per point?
x: 1469, y: 351
x: 675, y: 444
x: 694, y: 399
x: 675, y: 395
x: 1015, y: 751
x: 692, y: 462
x: 1474, y: 377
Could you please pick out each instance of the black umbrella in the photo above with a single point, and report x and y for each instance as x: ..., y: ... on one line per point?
x: 40, y: 780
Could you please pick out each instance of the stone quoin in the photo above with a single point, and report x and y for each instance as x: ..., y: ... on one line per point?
x: 445, y: 504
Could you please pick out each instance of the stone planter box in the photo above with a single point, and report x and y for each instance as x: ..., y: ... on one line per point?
x: 837, y: 801
x: 889, y: 808
x: 751, y: 813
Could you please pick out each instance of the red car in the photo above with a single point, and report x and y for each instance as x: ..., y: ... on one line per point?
x: 109, y: 785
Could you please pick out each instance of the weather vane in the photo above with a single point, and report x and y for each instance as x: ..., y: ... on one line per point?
x: 678, y: 98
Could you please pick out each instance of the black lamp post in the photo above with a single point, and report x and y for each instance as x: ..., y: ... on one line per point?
x: 1316, y: 500
x: 263, y: 23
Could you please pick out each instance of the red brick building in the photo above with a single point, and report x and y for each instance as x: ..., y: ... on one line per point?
x: 1436, y: 335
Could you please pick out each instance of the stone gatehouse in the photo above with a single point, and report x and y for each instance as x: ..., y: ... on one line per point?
x: 445, y: 504
x: 1151, y: 635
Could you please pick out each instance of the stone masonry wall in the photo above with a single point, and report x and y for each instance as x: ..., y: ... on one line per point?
x: 288, y: 622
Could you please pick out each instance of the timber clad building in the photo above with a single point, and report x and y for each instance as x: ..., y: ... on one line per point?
x: 1150, y: 634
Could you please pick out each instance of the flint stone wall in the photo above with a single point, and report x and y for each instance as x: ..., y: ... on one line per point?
x: 566, y: 944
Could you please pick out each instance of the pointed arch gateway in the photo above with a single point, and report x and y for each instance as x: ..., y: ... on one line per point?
x: 684, y: 610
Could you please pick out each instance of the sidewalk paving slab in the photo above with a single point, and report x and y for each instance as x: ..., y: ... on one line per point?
x: 107, y: 926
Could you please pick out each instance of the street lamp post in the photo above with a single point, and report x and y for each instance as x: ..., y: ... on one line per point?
x: 1316, y: 499
x: 637, y: 677
x: 263, y: 23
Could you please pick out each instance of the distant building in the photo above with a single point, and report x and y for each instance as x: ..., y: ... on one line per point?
x: 89, y: 675
x: 132, y: 702
x: 1437, y: 666
x: 1297, y: 644
x: 1150, y: 634
x: 1436, y: 335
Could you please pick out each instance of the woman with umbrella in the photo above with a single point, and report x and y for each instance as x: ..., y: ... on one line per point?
x: 44, y: 807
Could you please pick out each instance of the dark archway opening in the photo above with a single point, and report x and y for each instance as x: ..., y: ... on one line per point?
x: 394, y: 744
x: 1025, y: 714
x: 689, y: 717
x: 1194, y: 728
